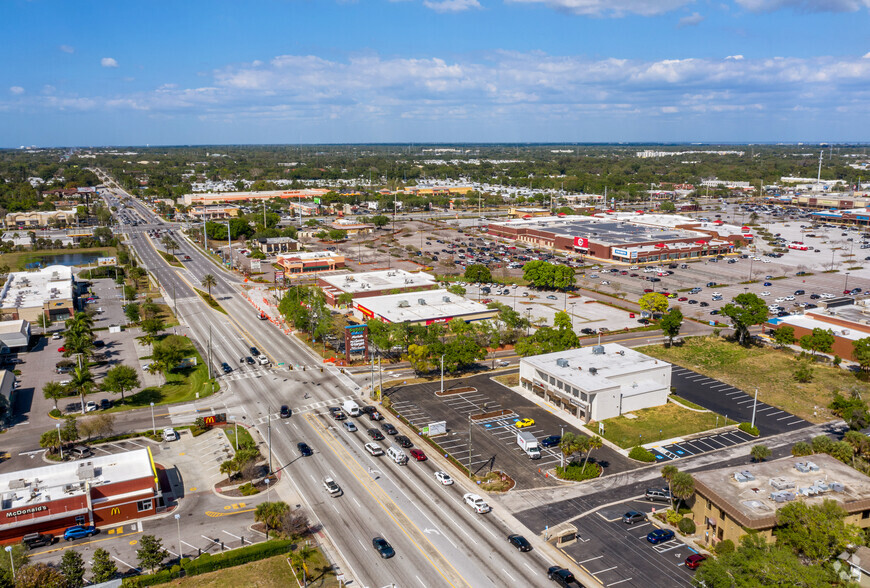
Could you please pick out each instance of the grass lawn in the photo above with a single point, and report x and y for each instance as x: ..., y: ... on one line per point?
x: 209, y: 299
x: 770, y: 370
x: 170, y: 259
x: 509, y: 380
x: 657, y: 423
x: 165, y: 314
x: 18, y: 260
x: 244, y: 436
x: 272, y: 572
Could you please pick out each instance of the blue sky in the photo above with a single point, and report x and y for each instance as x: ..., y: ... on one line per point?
x: 287, y: 71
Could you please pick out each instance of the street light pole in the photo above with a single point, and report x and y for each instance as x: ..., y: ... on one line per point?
x: 230, y: 244
x: 153, y: 426
x: 754, y: 406
x: 11, y: 561
x: 59, y: 440
x: 442, y: 374
x: 178, y: 524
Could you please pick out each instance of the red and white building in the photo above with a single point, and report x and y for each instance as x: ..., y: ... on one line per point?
x: 99, y: 491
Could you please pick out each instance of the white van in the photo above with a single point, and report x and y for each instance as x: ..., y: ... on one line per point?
x: 351, y: 408
x: 397, y: 455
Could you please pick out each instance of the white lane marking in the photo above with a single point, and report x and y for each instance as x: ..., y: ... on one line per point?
x: 590, y: 559
x: 508, y: 575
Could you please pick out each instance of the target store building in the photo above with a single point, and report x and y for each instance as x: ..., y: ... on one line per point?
x: 99, y: 491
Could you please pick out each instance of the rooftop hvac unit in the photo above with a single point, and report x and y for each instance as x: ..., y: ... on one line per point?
x: 743, y: 476
x: 837, y: 487
x: 445, y: 299
x: 781, y: 483
x: 562, y: 362
x: 598, y: 350
x: 404, y: 304
x: 421, y: 301
x: 806, y: 467
x: 593, y: 370
x: 784, y: 496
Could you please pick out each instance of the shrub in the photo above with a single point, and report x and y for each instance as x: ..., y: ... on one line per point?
x: 576, y: 472
x: 748, y: 428
x: 673, y: 517
x: 248, y: 489
x: 686, y: 526
x: 822, y: 444
x: 640, y: 454
x: 55, y: 413
x: 801, y: 449
x: 724, y: 547
x: 838, y: 360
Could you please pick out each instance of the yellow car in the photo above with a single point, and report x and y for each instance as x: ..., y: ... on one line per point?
x: 523, y: 423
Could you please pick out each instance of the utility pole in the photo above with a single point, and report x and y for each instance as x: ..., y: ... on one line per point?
x: 442, y: 374
x: 470, y: 475
x: 269, y: 414
x: 230, y: 244
x: 380, y: 376
x: 754, y: 406
x: 210, y: 376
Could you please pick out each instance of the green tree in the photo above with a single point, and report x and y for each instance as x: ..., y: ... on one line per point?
x: 131, y: 311
x: 668, y: 473
x: 49, y: 440
x: 817, y: 532
x: 861, y: 352
x: 539, y: 273
x: 563, y: 277
x: 571, y: 443
x: 337, y: 235
x: 594, y: 442
x: 456, y: 289
x: 419, y: 357
x: 103, y: 568
x: 17, y: 557
x: 461, y: 352
x: 759, y: 452
x: 168, y: 353
x: 6, y: 578
x: 344, y: 299
x: 120, y: 379
x: 682, y: 486
x: 853, y: 410
x: 169, y: 243
x: 667, y: 206
x: 803, y: 372
x: 821, y: 444
x: 208, y: 282
x: 670, y: 324
x: 150, y: 553
x: 801, y: 449
x: 380, y: 220
x: 72, y: 566
x: 39, y: 575
x: 478, y: 273
x: 152, y: 327
x: 653, y: 303
x: 784, y: 335
x: 53, y: 391
x: 745, y: 310
x: 270, y: 514
x: 82, y: 382
x: 820, y: 340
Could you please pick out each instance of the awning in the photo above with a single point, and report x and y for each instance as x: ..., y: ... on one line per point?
x: 661, y: 246
x: 702, y: 242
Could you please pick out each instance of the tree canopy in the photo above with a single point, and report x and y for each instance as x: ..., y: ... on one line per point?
x: 745, y: 310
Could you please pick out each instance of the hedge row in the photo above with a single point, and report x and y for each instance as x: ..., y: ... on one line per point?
x: 210, y: 563
x: 641, y: 454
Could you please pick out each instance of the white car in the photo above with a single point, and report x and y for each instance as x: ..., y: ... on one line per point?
x: 765, y: 261
x: 56, y: 336
x: 477, y: 503
x: 374, y: 449
x: 633, y: 267
x: 444, y: 478
x: 90, y: 406
x: 169, y: 434
x: 826, y: 295
x: 605, y: 283
x: 765, y: 293
x: 263, y: 360
x: 780, y: 299
x: 789, y: 297
x: 332, y: 487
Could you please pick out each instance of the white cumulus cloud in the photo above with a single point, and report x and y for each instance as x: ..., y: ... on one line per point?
x: 451, y: 5
x: 108, y: 62
x: 804, y: 6
x: 735, y: 57
x: 614, y: 8
x: 692, y: 20
x: 67, y: 48
x: 17, y: 90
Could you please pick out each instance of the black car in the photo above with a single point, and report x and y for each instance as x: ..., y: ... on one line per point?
x: 587, y: 331
x: 105, y: 404
x: 383, y: 547
x: 304, y: 449
x: 815, y: 296
x: 704, y: 304
x: 32, y: 540
x: 799, y: 292
x: 99, y: 343
x: 519, y: 542
x: 368, y: 409
x: 403, y: 441
x: 561, y: 576
x: 249, y: 360
x: 226, y: 367
x: 285, y: 411
x: 390, y: 429
x: 375, y: 434
x: 254, y: 351
x: 551, y: 441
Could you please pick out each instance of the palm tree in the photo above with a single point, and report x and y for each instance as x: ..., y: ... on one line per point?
x: 53, y: 391
x: 305, y: 553
x: 82, y: 382
x: 683, y: 486
x: 759, y: 452
x: 593, y: 443
x: 570, y: 444
x: 668, y: 473
x: 208, y: 281
x: 169, y: 243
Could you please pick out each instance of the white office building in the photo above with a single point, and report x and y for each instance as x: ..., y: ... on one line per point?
x: 597, y: 383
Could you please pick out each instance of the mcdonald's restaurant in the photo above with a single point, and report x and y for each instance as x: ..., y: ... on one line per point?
x: 100, y: 491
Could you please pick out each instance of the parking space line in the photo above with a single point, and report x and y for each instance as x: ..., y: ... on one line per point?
x: 602, y: 571
x: 797, y: 422
x: 588, y: 560
x: 775, y: 413
x: 790, y: 416
x: 620, y: 582
x: 735, y: 392
x: 720, y: 386
x: 747, y: 401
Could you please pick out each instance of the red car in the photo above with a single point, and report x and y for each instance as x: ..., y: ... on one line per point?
x: 682, y: 299
x: 647, y: 290
x: 418, y: 455
x: 695, y: 560
x: 62, y: 349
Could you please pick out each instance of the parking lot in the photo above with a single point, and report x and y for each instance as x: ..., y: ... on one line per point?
x: 732, y: 402
x: 491, y: 443
x: 697, y: 445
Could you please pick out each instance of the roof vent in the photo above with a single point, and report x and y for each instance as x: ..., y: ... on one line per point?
x: 445, y: 299
x: 593, y: 370
x: 403, y: 304
x: 598, y: 350
x: 562, y: 362
x: 421, y: 301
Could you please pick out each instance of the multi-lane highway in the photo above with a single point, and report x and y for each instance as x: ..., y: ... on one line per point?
x: 439, y: 541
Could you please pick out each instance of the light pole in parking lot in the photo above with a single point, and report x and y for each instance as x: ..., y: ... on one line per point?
x: 59, y: 440
x: 754, y: 406
x: 846, y: 284
x: 178, y: 525
x: 442, y: 374
x: 153, y: 426
x: 230, y: 244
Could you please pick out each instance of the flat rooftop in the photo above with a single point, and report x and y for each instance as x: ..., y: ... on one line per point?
x: 751, y: 494
x: 32, y: 289
x: 436, y: 305
x: 815, y: 320
x: 309, y: 255
x: 604, y: 230
x: 599, y: 367
x: 380, y: 280
x: 26, y: 488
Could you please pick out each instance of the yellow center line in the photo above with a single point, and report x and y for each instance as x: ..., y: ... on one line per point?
x: 388, y: 511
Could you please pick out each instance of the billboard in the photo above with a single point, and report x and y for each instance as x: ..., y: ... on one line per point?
x: 437, y: 428
x: 107, y: 261
x: 356, y: 340
x: 581, y: 242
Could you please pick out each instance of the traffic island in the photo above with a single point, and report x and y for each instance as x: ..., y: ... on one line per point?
x: 453, y: 391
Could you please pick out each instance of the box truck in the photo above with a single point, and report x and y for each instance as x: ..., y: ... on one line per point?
x: 529, y: 444
x: 351, y: 408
